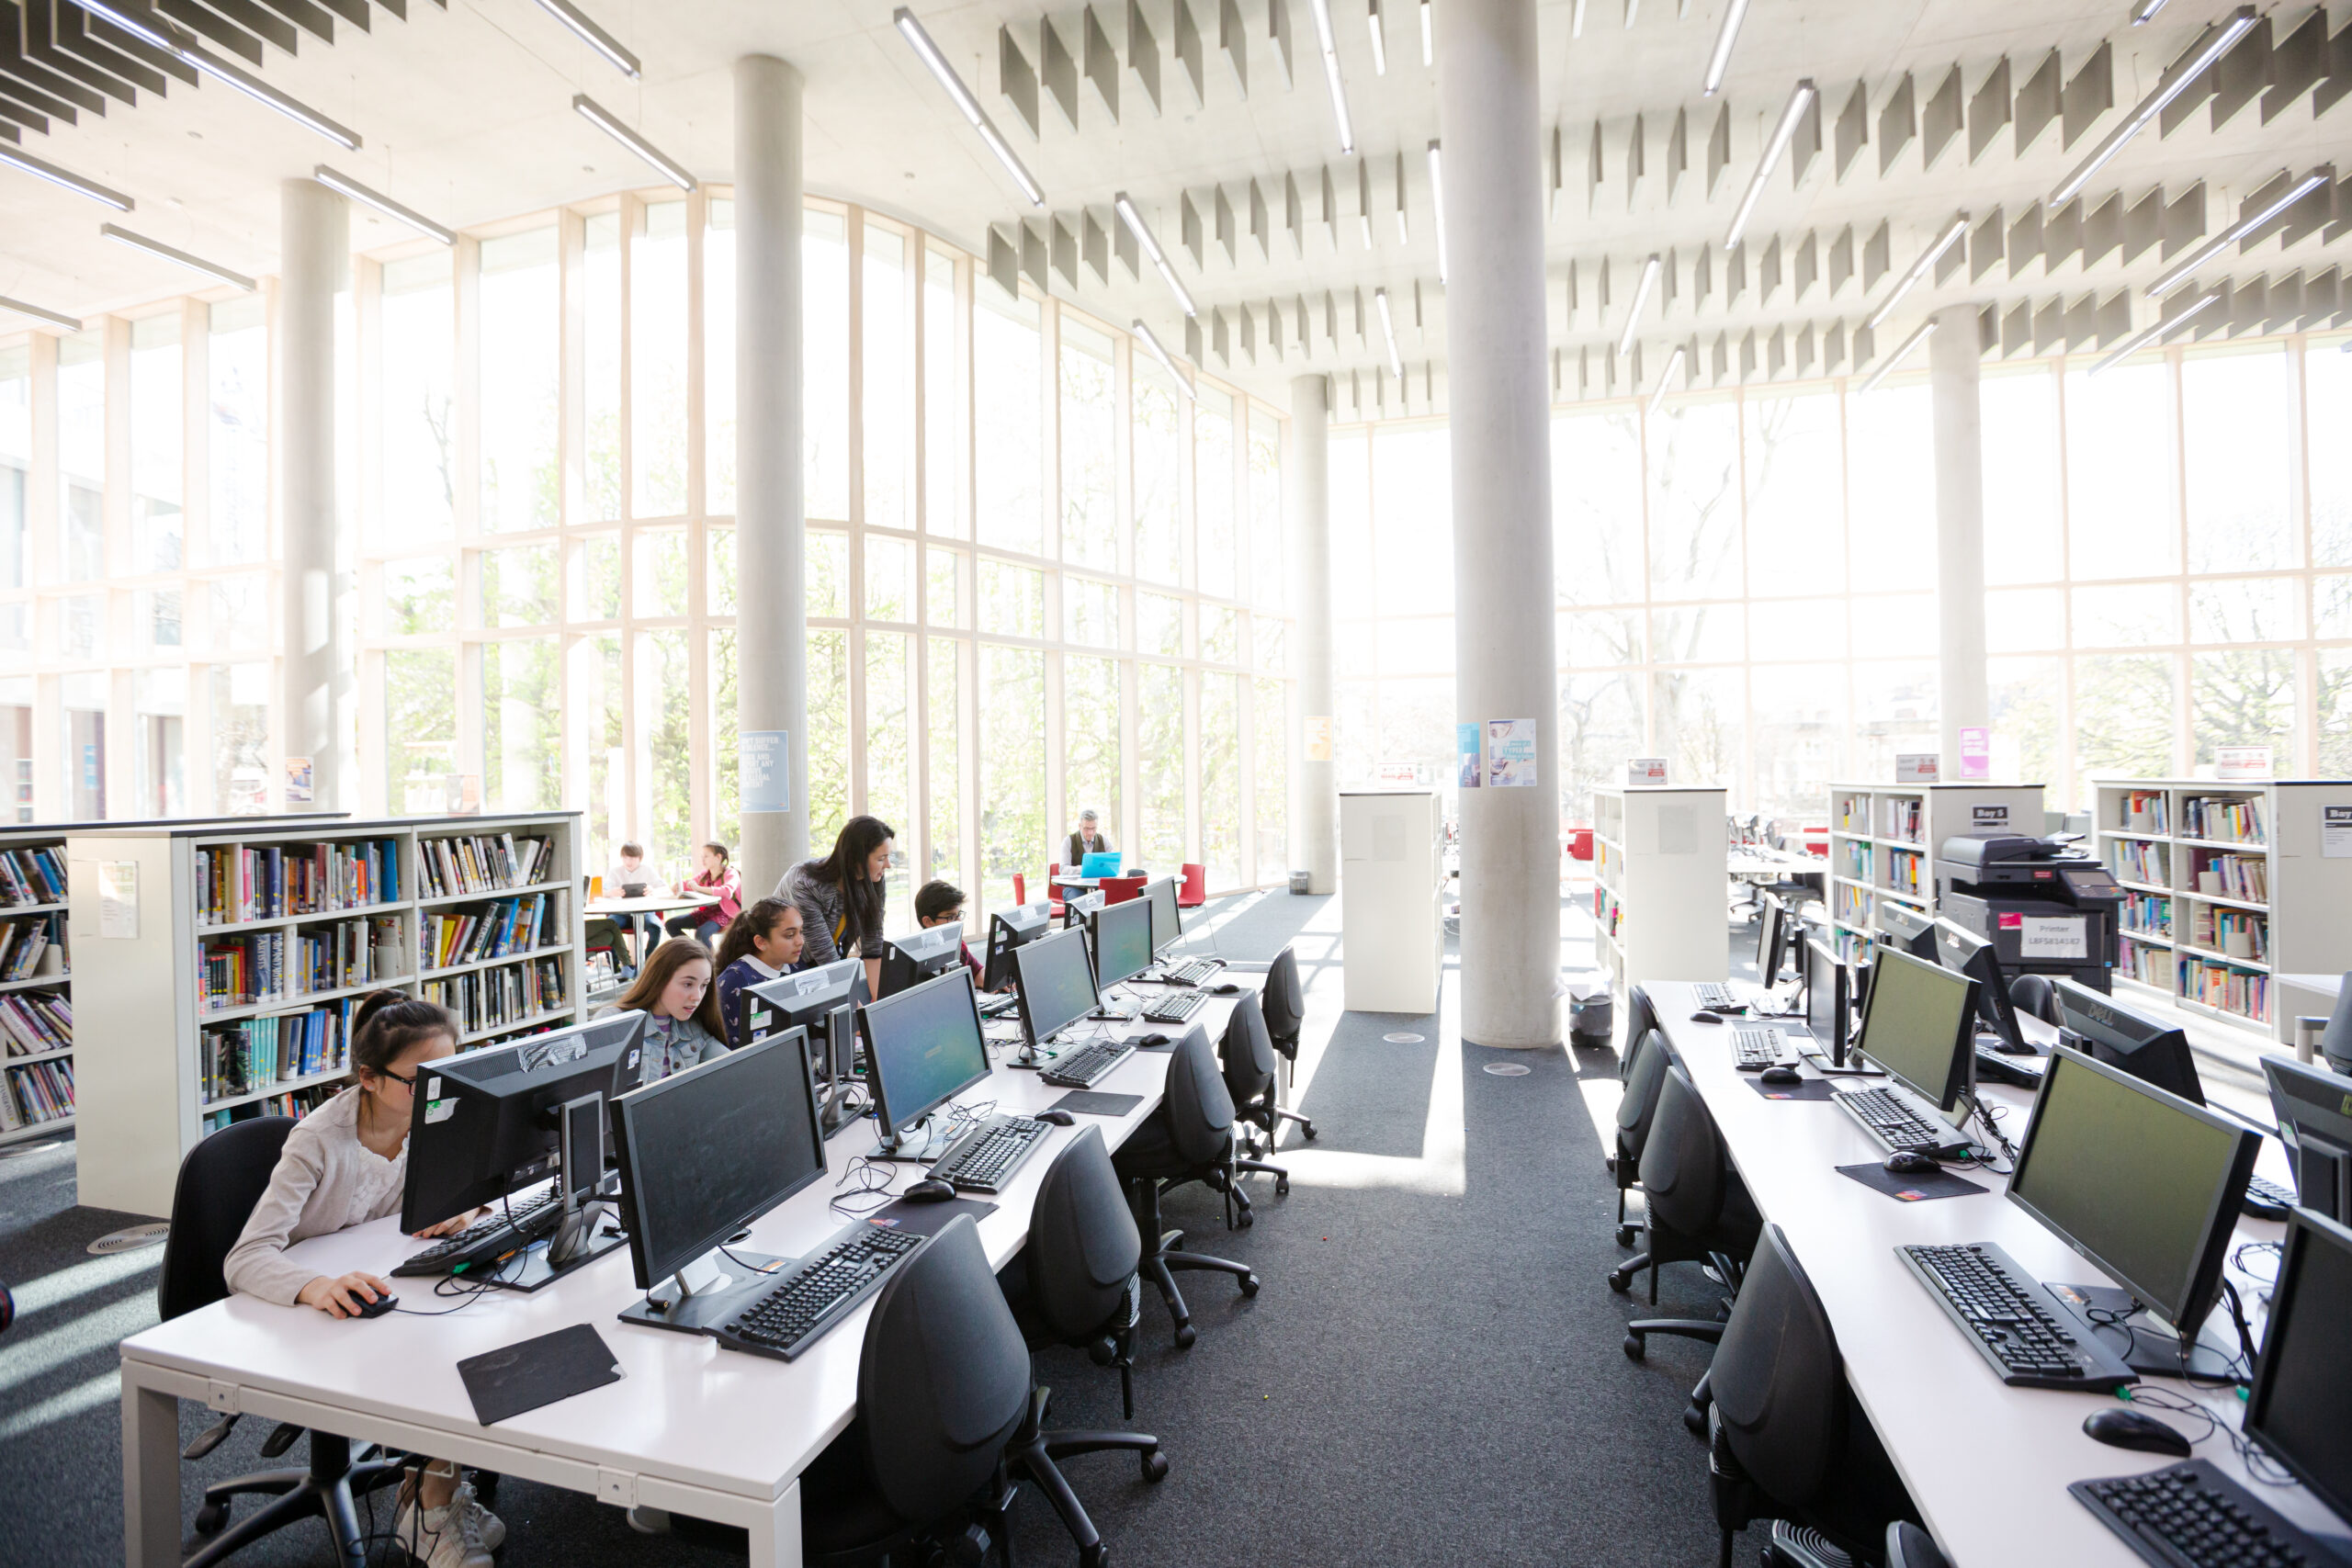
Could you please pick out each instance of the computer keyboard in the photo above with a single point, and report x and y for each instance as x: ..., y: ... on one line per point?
x: 2193, y: 1515
x: 1755, y: 1048
x: 1711, y: 995
x: 2266, y: 1200
x: 1895, y: 1124
x: 506, y: 1230
x: 984, y: 1157
x: 1175, y: 1007
x: 994, y: 1002
x: 1193, y: 972
x: 2015, y: 1326
x: 789, y: 1316
x: 2019, y: 1072
x: 1087, y: 1068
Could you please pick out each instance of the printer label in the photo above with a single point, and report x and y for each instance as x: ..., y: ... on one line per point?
x: 1989, y: 816
x: 2052, y: 936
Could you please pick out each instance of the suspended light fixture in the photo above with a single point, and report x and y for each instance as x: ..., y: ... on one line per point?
x: 602, y: 118
x: 1799, y: 99
x: 2157, y: 331
x: 345, y: 184
x: 40, y: 169
x: 2187, y: 268
x: 965, y: 104
x: 1942, y: 242
x: 1133, y: 218
x: 122, y: 236
x: 1151, y: 340
x: 2211, y: 47
x: 1902, y: 352
x: 1323, y: 38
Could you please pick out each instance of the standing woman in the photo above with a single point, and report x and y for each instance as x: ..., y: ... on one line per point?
x: 841, y: 898
x: 681, y: 1006
x: 715, y: 878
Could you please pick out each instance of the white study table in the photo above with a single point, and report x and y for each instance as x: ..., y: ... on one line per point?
x: 691, y: 1427
x: 1987, y: 1464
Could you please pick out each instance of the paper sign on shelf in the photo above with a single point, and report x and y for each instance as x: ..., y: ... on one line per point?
x: 763, y: 768
x: 2242, y: 762
x: 1975, y: 752
x: 1645, y: 770
x: 299, y: 789
x: 2335, y: 833
x: 1510, y: 753
x: 1917, y: 767
x: 1318, y: 737
x: 1466, y: 754
x: 118, y: 899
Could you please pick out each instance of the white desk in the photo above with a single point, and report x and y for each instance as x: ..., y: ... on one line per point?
x: 1987, y: 1464
x: 692, y: 1428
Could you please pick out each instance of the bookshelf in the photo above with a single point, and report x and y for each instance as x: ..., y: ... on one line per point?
x: 2225, y: 884
x: 36, y: 975
x: 1883, y: 838
x: 220, y: 963
x: 1658, y: 884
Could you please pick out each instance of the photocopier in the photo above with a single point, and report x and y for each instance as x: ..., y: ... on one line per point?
x: 2045, y: 905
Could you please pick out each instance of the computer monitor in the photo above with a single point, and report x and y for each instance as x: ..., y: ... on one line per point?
x: 1771, y: 937
x: 2315, y: 1111
x: 2151, y: 1051
x: 1076, y: 909
x: 1906, y: 930
x: 1056, y: 985
x: 1167, y: 919
x: 2143, y: 1183
x: 1008, y: 929
x: 2302, y: 1380
x: 824, y: 1001
x: 1122, y: 940
x: 910, y: 960
x: 1828, y: 1012
x: 1920, y: 1025
x: 923, y: 1048
x: 1100, y: 863
x: 1962, y: 952
x: 703, y: 1153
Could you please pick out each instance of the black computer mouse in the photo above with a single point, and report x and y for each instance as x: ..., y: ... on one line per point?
x: 1058, y: 1116
x: 1909, y: 1162
x: 1704, y: 1018
x: 1227, y: 989
x: 1777, y: 1074
x: 1151, y: 1039
x: 2121, y: 1428
x: 931, y: 1189
x: 379, y: 1306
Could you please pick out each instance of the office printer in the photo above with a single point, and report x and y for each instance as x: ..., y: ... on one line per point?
x: 2045, y: 905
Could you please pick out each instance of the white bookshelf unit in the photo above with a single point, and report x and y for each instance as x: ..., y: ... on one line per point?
x: 36, y: 1003
x: 220, y: 964
x: 1883, y: 839
x: 1658, y: 884
x: 2227, y: 883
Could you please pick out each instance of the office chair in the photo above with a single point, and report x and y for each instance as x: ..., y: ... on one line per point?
x: 1786, y: 1440
x: 1053, y: 904
x: 1194, y: 891
x: 2035, y: 994
x: 1078, y: 1281
x: 1908, y: 1546
x: 1119, y: 889
x: 1283, y: 1002
x: 1247, y: 1052
x: 220, y: 1181
x: 1189, y: 1138
x: 1636, y: 1107
x: 1641, y: 1017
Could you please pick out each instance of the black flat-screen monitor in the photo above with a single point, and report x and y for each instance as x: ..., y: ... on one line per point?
x: 2314, y: 1110
x: 910, y: 960
x: 1920, y: 1025
x: 1122, y: 940
x: 923, y: 1048
x: 1906, y: 930
x: 824, y: 1001
x: 488, y: 1122
x: 2143, y: 1183
x: 1962, y: 952
x: 1078, y: 906
x: 1008, y: 929
x: 1828, y: 1009
x: 2151, y: 1051
x: 1771, y: 937
x: 2302, y: 1380
x: 705, y: 1152
x: 1167, y: 919
x: 1056, y: 985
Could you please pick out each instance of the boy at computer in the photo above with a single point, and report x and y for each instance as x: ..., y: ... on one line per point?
x: 940, y: 903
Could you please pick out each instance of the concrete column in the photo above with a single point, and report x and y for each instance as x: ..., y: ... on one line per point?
x: 315, y: 240
x: 1307, y: 505
x: 771, y: 538
x: 1500, y: 427
x: 1962, y: 698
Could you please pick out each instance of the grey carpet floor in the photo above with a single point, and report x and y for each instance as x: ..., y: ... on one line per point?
x: 1427, y: 1378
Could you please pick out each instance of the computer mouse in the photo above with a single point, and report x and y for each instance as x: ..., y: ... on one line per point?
x: 1909, y: 1162
x: 2121, y: 1428
x: 1777, y: 1074
x: 1227, y: 989
x: 1151, y: 1039
x: 1704, y: 1016
x: 931, y: 1189
x: 1058, y: 1116
x: 379, y: 1306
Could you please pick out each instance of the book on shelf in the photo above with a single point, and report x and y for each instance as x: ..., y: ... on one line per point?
x: 32, y: 876
x: 2146, y: 965
x: 2132, y: 861
x: 254, y: 1053
x: 2236, y: 819
x: 2229, y: 876
x: 480, y: 862
x: 2147, y: 914
x: 33, y: 1024
x: 509, y: 926
x: 348, y: 953
x: 1903, y: 871
x: 2145, y: 811
x: 296, y: 1103
x: 26, y: 945
x: 263, y: 882
x: 2224, y: 988
x: 1905, y: 819
x: 489, y: 998
x: 41, y: 1091
x: 2240, y: 933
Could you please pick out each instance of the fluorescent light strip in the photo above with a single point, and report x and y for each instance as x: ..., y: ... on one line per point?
x: 2158, y: 332
x: 2217, y: 40
x: 345, y: 184
x: 1379, y: 40
x: 595, y: 37
x: 1799, y: 98
x: 1428, y: 50
x: 1437, y: 207
x: 2146, y: 11
x: 602, y: 118
x: 1322, y: 9
x: 38, y: 315
x: 1902, y: 352
x: 1640, y: 297
x: 1388, y: 330
x: 1666, y: 378
x: 122, y: 236
x: 1944, y: 241
x: 2184, y: 270
x: 1725, y: 36
x: 172, y: 42
x: 1133, y: 219
x: 41, y: 170
x: 1151, y: 341
x: 965, y: 104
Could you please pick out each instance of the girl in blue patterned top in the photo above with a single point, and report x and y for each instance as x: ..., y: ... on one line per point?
x: 763, y: 942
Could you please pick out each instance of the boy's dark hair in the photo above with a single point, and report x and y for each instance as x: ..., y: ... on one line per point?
x: 933, y: 899
x: 632, y: 851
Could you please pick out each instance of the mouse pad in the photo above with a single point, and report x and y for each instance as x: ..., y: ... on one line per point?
x: 1811, y: 1089
x: 522, y: 1376
x: 1910, y: 1189
x: 1087, y: 1102
x: 928, y: 1219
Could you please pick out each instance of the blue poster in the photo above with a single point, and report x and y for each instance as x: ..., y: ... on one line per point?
x: 763, y: 768
x: 1465, y: 749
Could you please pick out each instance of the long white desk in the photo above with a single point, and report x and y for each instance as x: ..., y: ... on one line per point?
x: 1987, y: 1464
x: 691, y: 1427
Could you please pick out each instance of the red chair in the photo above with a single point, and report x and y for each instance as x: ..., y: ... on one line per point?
x: 1119, y: 889
x: 1194, y: 891
x: 1021, y: 892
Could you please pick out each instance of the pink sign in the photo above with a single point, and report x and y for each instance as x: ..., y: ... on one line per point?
x: 1976, y: 752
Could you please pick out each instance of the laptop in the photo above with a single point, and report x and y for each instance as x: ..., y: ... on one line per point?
x: 1100, y: 863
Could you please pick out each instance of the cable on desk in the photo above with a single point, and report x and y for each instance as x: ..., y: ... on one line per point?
x: 873, y: 1177
x: 2244, y: 1251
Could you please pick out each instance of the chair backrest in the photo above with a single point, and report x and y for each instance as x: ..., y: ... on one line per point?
x: 1195, y: 888
x: 1020, y: 887
x: 1083, y: 1245
x: 1641, y: 1017
x: 1637, y: 1106
x: 1119, y: 889
x: 1908, y: 1546
x: 944, y: 1380
x: 1682, y: 1159
x: 1053, y: 868
x: 1283, y: 1001
x: 1248, y: 1051
x: 1779, y: 1383
x: 220, y: 1181
x: 2035, y: 994
x: 1198, y: 1108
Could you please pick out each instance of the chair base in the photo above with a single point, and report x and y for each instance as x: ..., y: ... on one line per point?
x: 1164, y: 1262
x: 1034, y: 1451
x: 326, y: 1488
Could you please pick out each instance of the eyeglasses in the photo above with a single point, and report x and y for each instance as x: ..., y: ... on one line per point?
x: 406, y: 1080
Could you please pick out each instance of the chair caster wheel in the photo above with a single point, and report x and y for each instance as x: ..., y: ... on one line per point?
x: 1184, y: 1337
x: 1695, y: 1419
x: 1282, y: 1187
x: 1308, y: 1128
x: 486, y: 1484
x: 1636, y: 1346
x: 1624, y: 1235
x: 1248, y: 1284
x: 1096, y: 1556
x: 1620, y: 1282
x: 1246, y: 1220
x: 1155, y: 1466
x: 213, y: 1518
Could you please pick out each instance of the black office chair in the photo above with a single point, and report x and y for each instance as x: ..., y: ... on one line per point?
x: 1189, y: 1138
x: 2036, y: 994
x: 1787, y: 1441
x: 1641, y: 1017
x: 1077, y: 1281
x: 1908, y: 1546
x: 1637, y: 1108
x: 1283, y: 1001
x: 1247, y: 1054
x: 220, y: 1181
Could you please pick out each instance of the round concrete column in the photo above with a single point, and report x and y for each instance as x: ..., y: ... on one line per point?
x: 1306, y: 476
x: 315, y: 240
x: 1963, y: 697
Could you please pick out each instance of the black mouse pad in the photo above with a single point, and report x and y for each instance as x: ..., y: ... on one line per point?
x: 1811, y: 1089
x: 523, y: 1376
x: 1087, y: 1102
x: 928, y: 1219
x: 1910, y: 1189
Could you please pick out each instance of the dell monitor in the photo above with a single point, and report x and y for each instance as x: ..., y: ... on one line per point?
x: 1167, y: 920
x: 2315, y: 1111
x: 1920, y: 1025
x: 1008, y: 929
x: 1099, y: 864
x: 1906, y: 930
x: 1122, y: 940
x: 703, y: 1153
x: 923, y: 1047
x: 1771, y: 937
x: 910, y: 960
x: 2147, y: 1186
x: 1057, y: 988
x: 1962, y: 952
x: 824, y: 1001
x: 2152, y: 1052
x: 1827, y: 1009
x: 2302, y: 1380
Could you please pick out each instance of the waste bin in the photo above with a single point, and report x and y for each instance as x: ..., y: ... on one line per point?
x: 1299, y: 881
x: 1593, y: 1018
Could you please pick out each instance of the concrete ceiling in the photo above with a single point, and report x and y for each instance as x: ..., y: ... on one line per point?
x: 465, y: 112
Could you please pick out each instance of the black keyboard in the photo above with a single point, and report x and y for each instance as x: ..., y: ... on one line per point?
x: 1193, y: 972
x: 2192, y: 1515
x: 1895, y: 1125
x: 2266, y: 1200
x: 2019, y: 1072
x: 485, y: 1239
x: 992, y: 1003
x: 1087, y: 1068
x: 982, y: 1159
x: 1176, y: 1006
x: 1755, y: 1048
x: 1711, y: 995
x: 789, y: 1316
x: 2015, y: 1324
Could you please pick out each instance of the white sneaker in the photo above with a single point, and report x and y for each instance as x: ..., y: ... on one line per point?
x: 492, y: 1529
x: 442, y: 1538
